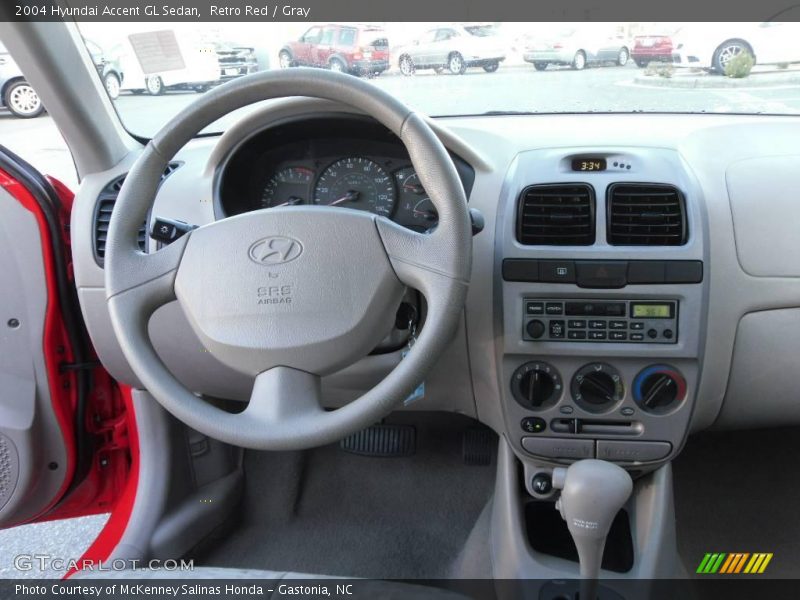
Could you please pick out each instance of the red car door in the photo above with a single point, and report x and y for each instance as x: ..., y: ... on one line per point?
x: 324, y: 49
x: 67, y: 445
x: 303, y: 50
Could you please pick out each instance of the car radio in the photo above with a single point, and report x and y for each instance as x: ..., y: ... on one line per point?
x: 581, y: 320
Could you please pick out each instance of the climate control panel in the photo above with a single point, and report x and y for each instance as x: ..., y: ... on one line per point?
x: 617, y: 321
x: 623, y: 409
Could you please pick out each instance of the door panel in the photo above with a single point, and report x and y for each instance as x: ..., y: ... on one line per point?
x: 56, y: 402
x: 27, y: 483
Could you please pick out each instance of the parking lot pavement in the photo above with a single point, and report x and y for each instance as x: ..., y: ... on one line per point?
x: 39, y: 142
x: 24, y: 549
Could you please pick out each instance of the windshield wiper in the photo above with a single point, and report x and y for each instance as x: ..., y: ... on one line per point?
x: 493, y: 113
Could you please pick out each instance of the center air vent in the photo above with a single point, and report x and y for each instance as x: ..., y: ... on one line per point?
x: 556, y: 215
x: 104, y: 208
x: 644, y: 214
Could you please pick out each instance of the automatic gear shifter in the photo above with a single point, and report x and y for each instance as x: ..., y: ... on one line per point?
x: 592, y: 493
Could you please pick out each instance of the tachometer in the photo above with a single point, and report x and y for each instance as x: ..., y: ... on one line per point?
x: 287, y: 187
x: 356, y: 183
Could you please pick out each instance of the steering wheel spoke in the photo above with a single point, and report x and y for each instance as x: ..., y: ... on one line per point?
x: 283, y: 396
x: 418, y: 259
x: 149, y: 275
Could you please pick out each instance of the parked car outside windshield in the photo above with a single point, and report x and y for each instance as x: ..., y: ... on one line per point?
x: 465, y: 68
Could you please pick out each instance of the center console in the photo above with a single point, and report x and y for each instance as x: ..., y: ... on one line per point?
x: 601, y: 287
x: 601, y: 277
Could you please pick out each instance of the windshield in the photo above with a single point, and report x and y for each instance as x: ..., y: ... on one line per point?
x: 153, y: 70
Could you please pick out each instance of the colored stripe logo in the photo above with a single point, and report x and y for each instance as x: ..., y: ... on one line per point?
x: 734, y: 563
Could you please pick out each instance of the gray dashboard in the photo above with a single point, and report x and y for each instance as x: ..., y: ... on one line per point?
x: 735, y: 177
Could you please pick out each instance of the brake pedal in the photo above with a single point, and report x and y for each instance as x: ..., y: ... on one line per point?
x: 382, y: 440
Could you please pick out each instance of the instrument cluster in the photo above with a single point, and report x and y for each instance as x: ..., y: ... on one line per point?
x: 357, y: 182
x: 346, y: 162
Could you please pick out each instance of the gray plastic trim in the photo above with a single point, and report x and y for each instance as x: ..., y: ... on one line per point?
x: 763, y: 195
x: 27, y: 418
x: 152, y: 423
x: 652, y: 520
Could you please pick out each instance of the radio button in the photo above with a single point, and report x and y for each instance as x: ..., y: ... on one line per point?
x: 637, y: 337
x: 597, y: 324
x: 535, y: 329
x: 554, y: 308
x: 618, y: 336
x: 576, y: 335
x: 534, y: 308
x: 617, y: 324
x: 557, y: 329
x: 576, y: 323
x: 598, y: 335
x: 637, y: 325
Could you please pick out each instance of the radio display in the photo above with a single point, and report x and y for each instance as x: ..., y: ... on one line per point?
x: 588, y: 164
x: 651, y: 311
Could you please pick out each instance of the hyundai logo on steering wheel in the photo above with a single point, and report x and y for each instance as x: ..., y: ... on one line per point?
x: 275, y: 250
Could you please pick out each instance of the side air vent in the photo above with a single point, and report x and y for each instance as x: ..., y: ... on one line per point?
x: 104, y: 208
x: 646, y: 214
x: 556, y: 215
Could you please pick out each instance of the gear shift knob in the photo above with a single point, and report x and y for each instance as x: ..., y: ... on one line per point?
x: 592, y: 493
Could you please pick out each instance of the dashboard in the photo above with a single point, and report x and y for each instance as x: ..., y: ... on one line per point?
x: 591, y: 346
x: 329, y: 162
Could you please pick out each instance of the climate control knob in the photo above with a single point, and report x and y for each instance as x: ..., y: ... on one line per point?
x: 658, y: 388
x: 536, y: 385
x: 596, y: 387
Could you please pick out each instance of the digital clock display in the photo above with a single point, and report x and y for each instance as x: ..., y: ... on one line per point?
x: 651, y: 311
x: 588, y: 164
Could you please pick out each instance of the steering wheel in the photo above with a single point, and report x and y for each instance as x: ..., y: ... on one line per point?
x: 288, y: 295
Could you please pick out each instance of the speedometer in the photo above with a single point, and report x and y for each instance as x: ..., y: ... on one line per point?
x: 358, y: 183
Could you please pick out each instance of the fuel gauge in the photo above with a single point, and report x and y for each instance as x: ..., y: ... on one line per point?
x: 415, y: 205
